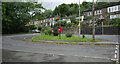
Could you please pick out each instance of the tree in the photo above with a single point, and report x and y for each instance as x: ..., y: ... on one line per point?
x: 62, y: 10
x: 15, y: 16
x: 73, y: 19
x: 47, y: 13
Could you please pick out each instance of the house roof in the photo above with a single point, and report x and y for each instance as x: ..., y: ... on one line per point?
x: 103, y: 6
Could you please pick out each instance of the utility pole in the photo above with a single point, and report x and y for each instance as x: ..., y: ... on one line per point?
x: 79, y: 18
x: 93, y: 20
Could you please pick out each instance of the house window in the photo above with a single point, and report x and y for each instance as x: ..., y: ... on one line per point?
x: 100, y: 11
x: 90, y: 13
x: 109, y: 9
x: 95, y: 12
x: 115, y: 7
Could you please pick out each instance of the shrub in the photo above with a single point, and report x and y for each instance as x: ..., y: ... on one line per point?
x: 115, y: 22
x: 83, y: 36
x: 46, y: 32
x: 32, y: 27
x: 68, y: 34
x: 69, y: 25
x: 49, y: 31
x: 55, y: 31
x: 40, y: 27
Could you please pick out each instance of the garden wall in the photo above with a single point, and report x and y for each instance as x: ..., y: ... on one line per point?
x: 98, y: 30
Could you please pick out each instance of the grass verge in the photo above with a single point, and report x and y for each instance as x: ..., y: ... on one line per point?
x: 67, y: 42
x: 63, y: 38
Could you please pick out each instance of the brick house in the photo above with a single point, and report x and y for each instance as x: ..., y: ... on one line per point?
x: 107, y: 12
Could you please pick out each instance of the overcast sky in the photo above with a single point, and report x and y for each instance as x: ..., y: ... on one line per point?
x: 51, y: 4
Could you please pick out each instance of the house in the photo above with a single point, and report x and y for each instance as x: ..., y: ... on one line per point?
x: 107, y: 12
x: 49, y: 21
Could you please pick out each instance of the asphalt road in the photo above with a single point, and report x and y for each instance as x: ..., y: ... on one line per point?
x: 112, y: 38
x: 17, y: 50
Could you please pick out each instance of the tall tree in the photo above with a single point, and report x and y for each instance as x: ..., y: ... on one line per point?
x: 15, y: 16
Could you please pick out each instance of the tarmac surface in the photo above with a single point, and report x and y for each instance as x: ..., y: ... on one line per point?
x: 17, y: 50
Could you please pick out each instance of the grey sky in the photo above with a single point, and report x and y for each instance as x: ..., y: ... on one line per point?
x: 51, y: 4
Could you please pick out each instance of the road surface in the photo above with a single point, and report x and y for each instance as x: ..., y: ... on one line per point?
x: 17, y: 50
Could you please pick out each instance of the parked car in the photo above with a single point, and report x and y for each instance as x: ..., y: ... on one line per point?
x: 36, y: 31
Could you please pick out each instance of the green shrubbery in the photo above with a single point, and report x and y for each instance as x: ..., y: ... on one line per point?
x: 115, y: 22
x: 32, y: 27
x: 40, y: 27
x: 48, y: 32
x: 68, y: 25
x: 61, y: 23
x: 83, y: 36
x: 68, y: 34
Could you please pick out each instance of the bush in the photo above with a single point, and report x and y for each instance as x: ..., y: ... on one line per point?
x: 32, y: 27
x: 46, y: 32
x: 83, y: 36
x: 61, y: 23
x: 55, y: 31
x: 115, y: 22
x: 40, y: 27
x: 69, y: 25
x: 49, y: 31
x: 68, y: 34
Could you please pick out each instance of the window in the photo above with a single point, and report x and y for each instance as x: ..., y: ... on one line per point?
x: 98, y: 12
x: 109, y: 9
x: 95, y: 13
x: 113, y: 9
x: 113, y: 16
x: 90, y: 13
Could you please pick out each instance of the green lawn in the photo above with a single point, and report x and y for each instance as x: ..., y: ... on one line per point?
x: 63, y: 38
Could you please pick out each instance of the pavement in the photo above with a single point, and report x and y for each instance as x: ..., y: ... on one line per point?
x: 17, y: 50
x: 112, y: 38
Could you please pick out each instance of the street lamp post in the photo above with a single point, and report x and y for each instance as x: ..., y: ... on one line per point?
x: 79, y: 18
x: 102, y: 28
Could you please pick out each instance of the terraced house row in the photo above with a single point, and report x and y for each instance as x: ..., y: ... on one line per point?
x: 106, y: 12
x: 49, y: 21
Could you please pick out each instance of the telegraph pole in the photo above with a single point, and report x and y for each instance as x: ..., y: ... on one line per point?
x: 93, y: 20
x: 79, y: 18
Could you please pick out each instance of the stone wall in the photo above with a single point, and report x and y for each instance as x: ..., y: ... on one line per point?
x: 98, y: 30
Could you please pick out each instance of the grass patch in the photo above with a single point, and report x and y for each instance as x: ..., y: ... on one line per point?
x: 67, y: 43
x: 63, y: 38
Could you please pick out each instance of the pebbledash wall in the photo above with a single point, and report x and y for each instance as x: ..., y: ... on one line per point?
x: 98, y: 30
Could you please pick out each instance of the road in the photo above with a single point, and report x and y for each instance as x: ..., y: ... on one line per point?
x: 113, y: 38
x: 17, y: 50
